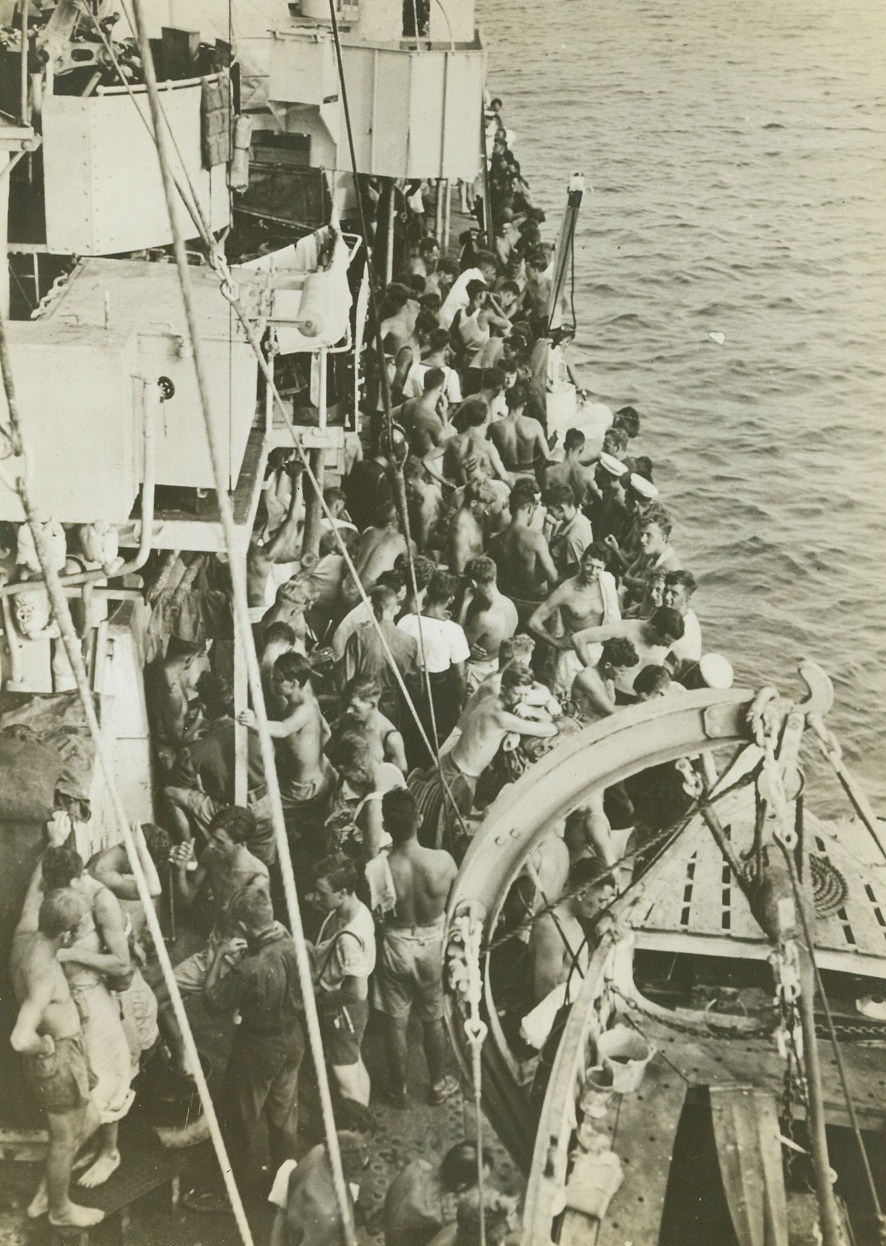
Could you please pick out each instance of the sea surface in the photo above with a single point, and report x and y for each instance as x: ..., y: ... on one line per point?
x: 737, y: 159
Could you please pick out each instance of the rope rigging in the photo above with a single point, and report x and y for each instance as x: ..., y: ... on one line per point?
x: 230, y: 291
x: 246, y: 639
x: 75, y: 657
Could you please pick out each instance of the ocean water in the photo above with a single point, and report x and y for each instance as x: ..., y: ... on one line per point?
x: 737, y: 159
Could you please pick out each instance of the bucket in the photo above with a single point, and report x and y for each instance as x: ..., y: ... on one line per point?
x: 625, y: 1053
x: 170, y: 1099
x: 597, y: 1092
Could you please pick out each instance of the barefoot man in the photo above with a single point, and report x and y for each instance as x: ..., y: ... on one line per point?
x: 48, y: 1037
x: 410, y: 966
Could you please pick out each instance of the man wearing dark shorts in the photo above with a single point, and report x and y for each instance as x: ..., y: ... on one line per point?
x: 48, y: 1037
x: 410, y: 965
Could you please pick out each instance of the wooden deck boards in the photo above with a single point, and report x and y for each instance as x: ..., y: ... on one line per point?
x: 643, y: 1127
x: 692, y: 906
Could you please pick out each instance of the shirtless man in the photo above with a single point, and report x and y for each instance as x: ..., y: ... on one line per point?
x: 520, y: 440
x: 424, y: 264
x: 410, y: 965
x: 96, y: 961
x: 400, y: 308
x: 652, y: 638
x: 593, y: 690
x: 497, y: 515
x: 558, y: 943
x: 111, y: 867
x: 283, y: 546
x: 467, y: 526
x: 488, y: 618
x: 421, y: 417
x: 424, y: 499
x: 526, y: 570
x: 480, y: 732
x: 277, y: 639
x: 360, y: 713
x: 456, y: 451
x: 491, y: 719
x: 294, y: 597
x: 594, y: 686
x: 376, y: 551
x: 572, y: 471
x: 168, y: 691
x: 589, y: 599
x: 226, y: 867
x: 301, y: 732
x: 48, y: 1037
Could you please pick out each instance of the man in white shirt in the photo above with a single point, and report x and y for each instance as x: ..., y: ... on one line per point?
x: 678, y: 588
x: 457, y: 298
x: 437, y: 356
x: 443, y: 650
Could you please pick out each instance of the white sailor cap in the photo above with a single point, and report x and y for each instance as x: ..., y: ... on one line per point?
x: 716, y: 671
x: 611, y: 464
x: 644, y: 487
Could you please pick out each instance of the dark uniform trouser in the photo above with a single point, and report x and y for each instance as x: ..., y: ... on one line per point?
x: 261, y: 1078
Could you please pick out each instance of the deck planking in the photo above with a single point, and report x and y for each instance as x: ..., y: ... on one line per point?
x: 644, y: 1130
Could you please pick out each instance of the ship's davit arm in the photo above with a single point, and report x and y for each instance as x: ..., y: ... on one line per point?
x: 587, y: 762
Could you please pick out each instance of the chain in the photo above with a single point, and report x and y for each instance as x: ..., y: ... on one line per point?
x: 684, y: 1027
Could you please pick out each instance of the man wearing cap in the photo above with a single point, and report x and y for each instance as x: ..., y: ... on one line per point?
x: 639, y: 494
x: 608, y: 512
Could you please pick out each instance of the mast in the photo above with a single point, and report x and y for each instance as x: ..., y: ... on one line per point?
x: 564, y: 250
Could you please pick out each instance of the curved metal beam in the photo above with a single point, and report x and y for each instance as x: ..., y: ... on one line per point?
x: 603, y: 754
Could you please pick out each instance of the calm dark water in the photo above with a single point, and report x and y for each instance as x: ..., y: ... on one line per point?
x: 737, y: 155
